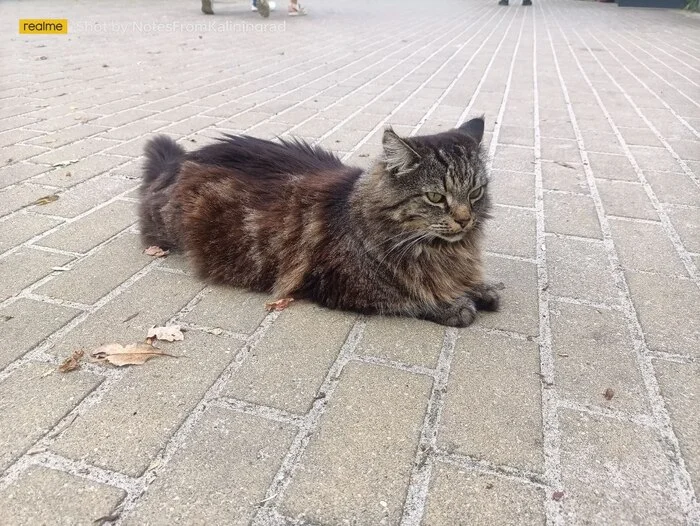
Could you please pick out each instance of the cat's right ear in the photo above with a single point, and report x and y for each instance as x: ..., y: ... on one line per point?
x: 398, y: 154
x: 474, y: 128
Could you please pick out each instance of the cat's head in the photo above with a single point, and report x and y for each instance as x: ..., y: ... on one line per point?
x: 436, y: 184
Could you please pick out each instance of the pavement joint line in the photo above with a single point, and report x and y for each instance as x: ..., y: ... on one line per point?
x: 216, y: 331
x: 681, y: 206
x: 659, y: 136
x: 560, y: 192
x: 574, y: 237
x: 417, y: 495
x: 668, y: 227
x: 76, y: 468
x: 54, y: 301
x: 663, y: 64
x: 513, y: 335
x: 638, y: 220
x: 677, y: 49
x: 182, y: 433
x: 514, y: 207
x: 482, y: 79
x: 672, y: 357
x: 394, y: 364
x: 674, y: 275
x: 419, y: 483
x: 639, y: 419
x: 260, y: 411
x: 177, y: 271
x: 484, y: 466
x: 459, y: 75
x: 309, y: 424
x: 554, y: 510
x: 554, y: 298
x: 382, y: 123
x: 356, y: 88
x: 512, y: 257
x: 52, y: 250
x: 660, y: 413
x: 518, y: 146
x: 669, y: 54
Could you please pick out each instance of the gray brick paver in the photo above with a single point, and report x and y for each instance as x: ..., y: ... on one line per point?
x: 595, y: 242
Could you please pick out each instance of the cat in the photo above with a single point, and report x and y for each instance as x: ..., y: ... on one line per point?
x: 290, y: 218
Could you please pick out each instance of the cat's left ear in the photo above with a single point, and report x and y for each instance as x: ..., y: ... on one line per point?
x: 399, y: 156
x: 474, y: 128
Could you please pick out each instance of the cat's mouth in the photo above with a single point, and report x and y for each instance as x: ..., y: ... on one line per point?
x: 452, y: 238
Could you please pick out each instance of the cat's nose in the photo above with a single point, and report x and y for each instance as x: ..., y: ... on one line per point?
x: 463, y: 222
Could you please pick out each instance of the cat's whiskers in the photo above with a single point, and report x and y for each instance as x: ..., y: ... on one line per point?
x: 398, y: 245
x: 408, y: 248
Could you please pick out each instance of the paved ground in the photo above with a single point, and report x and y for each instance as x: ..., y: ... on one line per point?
x: 577, y: 404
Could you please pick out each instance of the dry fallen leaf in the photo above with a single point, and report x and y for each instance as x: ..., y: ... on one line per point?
x: 156, y: 252
x: 46, y: 200
x: 170, y: 333
x: 132, y: 354
x: 71, y: 363
x: 64, y: 163
x: 279, y: 304
x: 608, y: 394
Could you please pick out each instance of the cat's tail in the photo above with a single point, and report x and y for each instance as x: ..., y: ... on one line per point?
x: 163, y: 157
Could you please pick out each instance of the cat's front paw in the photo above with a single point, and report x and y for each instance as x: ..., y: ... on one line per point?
x: 486, y: 297
x: 461, y: 313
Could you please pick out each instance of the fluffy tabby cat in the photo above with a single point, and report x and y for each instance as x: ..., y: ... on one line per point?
x: 291, y: 219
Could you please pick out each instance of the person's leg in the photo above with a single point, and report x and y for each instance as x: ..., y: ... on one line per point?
x: 503, y: 2
x: 295, y: 9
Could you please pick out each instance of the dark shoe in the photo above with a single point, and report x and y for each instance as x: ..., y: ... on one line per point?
x: 206, y: 7
x: 527, y: 2
x: 503, y: 2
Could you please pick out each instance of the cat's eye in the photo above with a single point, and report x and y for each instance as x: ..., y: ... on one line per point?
x: 435, y: 197
x: 476, y: 194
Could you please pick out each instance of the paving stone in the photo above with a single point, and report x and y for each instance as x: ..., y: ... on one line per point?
x: 580, y: 269
x: 562, y: 150
x: 512, y: 188
x: 602, y: 142
x: 138, y: 415
x: 355, y: 433
x: 519, y: 305
x: 571, y: 214
x: 644, y: 246
x: 82, y: 198
x: 639, y: 136
x: 458, y: 497
x: 220, y: 474
x: 674, y: 188
x: 32, y: 401
x: 680, y: 388
x: 25, y: 323
x: 23, y: 227
x: 658, y: 301
x: 76, y: 150
x: 615, y: 473
x: 556, y: 128
x: 229, y: 308
x: 511, y: 231
x: 16, y: 197
x: 152, y: 300
x: 87, y: 280
x: 291, y: 361
x: 625, y: 199
x: 404, y: 340
x: 44, y: 496
x: 654, y: 159
x: 593, y: 352
x: 514, y: 158
x: 686, y: 149
x: 66, y: 135
x: 686, y: 221
x: 568, y: 177
x: 520, y: 135
x: 18, y: 172
x: 82, y: 170
x: 608, y: 166
x: 26, y: 266
x: 486, y: 370
x: 92, y: 229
